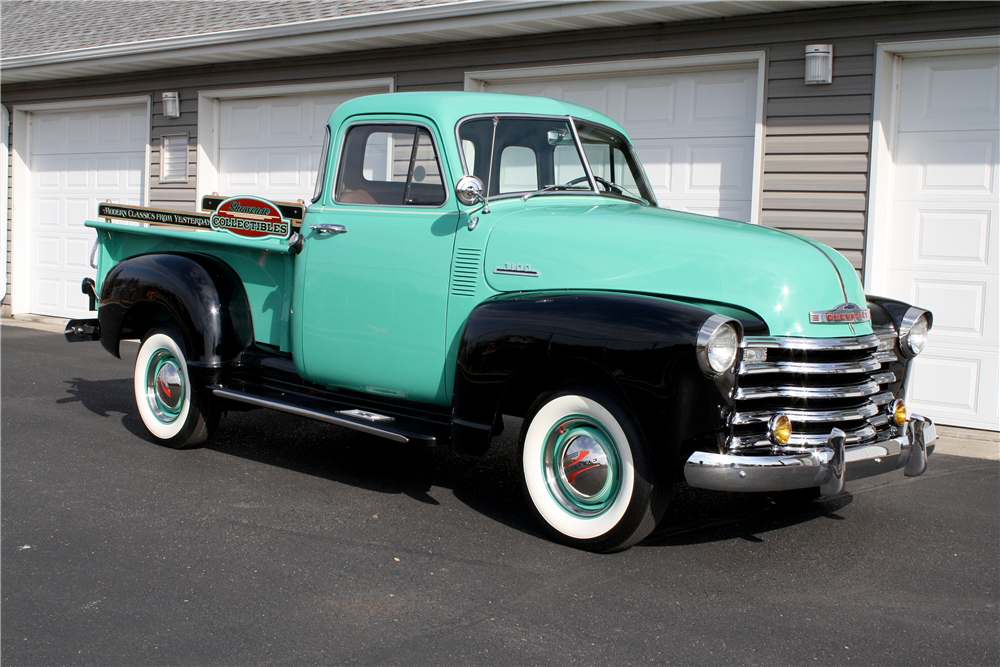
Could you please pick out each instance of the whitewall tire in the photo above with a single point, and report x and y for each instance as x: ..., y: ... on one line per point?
x: 586, y: 472
x: 170, y: 405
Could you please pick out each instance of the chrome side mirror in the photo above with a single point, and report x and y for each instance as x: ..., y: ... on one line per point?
x: 469, y: 190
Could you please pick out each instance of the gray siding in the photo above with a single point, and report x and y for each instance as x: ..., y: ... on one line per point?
x: 817, y: 138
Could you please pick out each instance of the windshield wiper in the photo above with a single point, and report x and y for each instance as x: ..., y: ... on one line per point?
x: 552, y: 188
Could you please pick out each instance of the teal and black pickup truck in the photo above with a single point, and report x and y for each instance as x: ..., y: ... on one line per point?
x: 467, y: 256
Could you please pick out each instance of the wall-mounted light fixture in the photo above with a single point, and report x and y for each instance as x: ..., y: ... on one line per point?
x: 819, y: 64
x: 171, y: 105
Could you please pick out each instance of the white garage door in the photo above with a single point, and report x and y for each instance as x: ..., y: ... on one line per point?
x: 944, y: 234
x: 694, y: 130
x: 270, y: 146
x: 78, y: 159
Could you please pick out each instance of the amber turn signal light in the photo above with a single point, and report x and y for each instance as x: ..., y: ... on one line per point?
x: 897, y: 411
x: 779, y: 429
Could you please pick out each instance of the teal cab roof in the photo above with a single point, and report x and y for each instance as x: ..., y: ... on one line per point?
x: 447, y: 108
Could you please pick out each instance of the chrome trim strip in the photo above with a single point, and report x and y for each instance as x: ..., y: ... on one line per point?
x: 884, y: 378
x: 880, y: 419
x: 786, y: 343
x: 743, y: 473
x: 515, y: 272
x: 863, y: 434
x: 847, y: 391
x: 806, y: 416
x: 882, y: 399
x: 837, y: 368
x: 886, y: 357
x: 244, y: 397
x: 583, y: 156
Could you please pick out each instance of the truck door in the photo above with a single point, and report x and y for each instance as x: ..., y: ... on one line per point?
x: 374, y: 283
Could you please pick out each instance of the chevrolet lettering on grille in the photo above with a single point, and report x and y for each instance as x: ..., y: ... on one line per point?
x: 845, y: 313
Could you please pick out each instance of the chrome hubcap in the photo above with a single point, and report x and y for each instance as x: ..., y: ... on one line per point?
x: 581, y: 466
x: 165, y: 386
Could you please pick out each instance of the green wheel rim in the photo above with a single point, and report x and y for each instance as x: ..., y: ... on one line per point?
x: 581, y: 466
x: 165, y: 386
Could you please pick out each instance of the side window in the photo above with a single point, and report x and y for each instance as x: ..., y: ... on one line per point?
x: 389, y: 165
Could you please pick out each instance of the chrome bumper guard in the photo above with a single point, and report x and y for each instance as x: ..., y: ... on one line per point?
x: 827, y: 467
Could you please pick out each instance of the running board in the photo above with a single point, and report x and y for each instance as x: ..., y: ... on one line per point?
x: 354, y: 419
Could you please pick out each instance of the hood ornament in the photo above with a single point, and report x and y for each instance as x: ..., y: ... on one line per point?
x: 845, y: 313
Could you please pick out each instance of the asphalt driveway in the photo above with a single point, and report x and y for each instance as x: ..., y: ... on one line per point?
x: 288, y: 541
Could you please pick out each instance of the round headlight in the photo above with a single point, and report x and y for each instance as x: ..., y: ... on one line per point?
x: 718, y: 345
x: 918, y: 335
x: 913, y: 332
x: 722, y: 347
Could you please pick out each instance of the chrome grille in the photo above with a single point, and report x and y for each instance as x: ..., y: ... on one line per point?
x: 820, y: 384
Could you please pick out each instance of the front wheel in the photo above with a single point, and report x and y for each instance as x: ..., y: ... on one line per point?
x: 586, y: 471
x: 171, y: 406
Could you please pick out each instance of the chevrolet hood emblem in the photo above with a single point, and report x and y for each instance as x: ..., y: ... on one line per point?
x: 845, y: 313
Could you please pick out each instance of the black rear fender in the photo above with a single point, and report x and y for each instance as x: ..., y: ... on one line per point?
x: 643, y: 348
x: 201, y: 296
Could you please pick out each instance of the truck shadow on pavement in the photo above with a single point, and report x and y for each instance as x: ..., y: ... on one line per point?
x: 488, y: 484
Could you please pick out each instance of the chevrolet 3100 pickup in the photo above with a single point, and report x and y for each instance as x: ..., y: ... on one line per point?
x: 467, y: 256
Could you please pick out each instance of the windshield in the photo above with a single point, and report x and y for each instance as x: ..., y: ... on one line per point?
x: 539, y: 156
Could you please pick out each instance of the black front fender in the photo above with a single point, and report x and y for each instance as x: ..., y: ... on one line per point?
x: 200, y: 295
x: 644, y: 346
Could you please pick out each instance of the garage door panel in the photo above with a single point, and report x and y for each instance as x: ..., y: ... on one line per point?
x: 940, y: 165
x: 240, y: 169
x: 47, y: 292
x: 284, y: 170
x: 47, y: 249
x: 953, y: 237
x: 46, y: 212
x: 724, y: 101
x: 965, y: 307
x: 78, y: 173
x: 77, y: 253
x: 241, y: 122
x: 717, y: 166
x: 961, y: 91
x: 947, y: 383
x: 78, y: 211
x: 648, y: 101
x: 944, y: 237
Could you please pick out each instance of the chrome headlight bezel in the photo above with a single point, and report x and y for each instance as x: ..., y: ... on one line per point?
x: 715, y: 332
x: 914, y: 320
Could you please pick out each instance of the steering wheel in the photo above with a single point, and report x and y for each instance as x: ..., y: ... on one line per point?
x: 608, y: 185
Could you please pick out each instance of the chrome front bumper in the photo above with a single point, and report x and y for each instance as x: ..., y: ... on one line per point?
x: 827, y: 467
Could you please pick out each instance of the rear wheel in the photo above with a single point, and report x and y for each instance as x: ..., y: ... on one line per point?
x: 586, y: 471
x: 173, y: 409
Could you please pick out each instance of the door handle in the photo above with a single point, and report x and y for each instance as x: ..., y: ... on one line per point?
x: 329, y: 229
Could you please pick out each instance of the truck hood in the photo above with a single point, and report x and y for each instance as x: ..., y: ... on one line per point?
x: 574, y: 244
